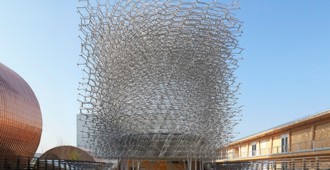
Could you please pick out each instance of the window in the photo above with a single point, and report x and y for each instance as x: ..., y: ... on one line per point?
x: 284, y: 143
x: 254, y: 149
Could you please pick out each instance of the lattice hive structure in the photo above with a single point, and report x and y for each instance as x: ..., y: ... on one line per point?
x: 159, y: 79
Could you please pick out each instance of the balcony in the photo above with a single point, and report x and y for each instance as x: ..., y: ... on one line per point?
x: 315, y: 145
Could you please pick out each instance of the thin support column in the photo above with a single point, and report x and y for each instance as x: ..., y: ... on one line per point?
x: 138, y: 165
x: 189, y: 163
x: 121, y: 165
x: 133, y: 168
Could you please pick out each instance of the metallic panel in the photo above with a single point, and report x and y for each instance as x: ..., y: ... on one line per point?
x: 20, y: 116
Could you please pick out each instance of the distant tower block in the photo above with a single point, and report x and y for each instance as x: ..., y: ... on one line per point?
x: 20, y: 116
x: 159, y: 77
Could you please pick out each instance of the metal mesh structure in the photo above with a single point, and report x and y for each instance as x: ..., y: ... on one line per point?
x: 159, y: 79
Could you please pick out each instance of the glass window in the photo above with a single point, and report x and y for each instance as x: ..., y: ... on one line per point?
x: 254, y: 149
x: 284, y: 143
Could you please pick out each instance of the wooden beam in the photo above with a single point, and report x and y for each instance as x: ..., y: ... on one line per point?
x: 239, y: 151
x: 289, y: 142
x: 271, y: 145
x: 259, y: 148
x: 312, y: 136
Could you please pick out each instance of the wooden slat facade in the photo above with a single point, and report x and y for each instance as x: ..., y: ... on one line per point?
x: 294, y: 143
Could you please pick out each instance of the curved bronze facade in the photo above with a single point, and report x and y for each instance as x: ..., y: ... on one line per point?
x: 69, y: 153
x: 20, y: 116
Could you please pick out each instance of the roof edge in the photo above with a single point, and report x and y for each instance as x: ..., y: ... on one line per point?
x: 283, y: 126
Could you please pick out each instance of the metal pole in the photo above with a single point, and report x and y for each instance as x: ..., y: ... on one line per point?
x: 17, y: 163
x: 5, y: 163
x: 28, y: 163
x: 189, y: 163
x: 138, y: 165
x: 38, y: 163
x: 133, y: 168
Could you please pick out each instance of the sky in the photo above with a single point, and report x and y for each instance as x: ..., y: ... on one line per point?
x: 284, y: 73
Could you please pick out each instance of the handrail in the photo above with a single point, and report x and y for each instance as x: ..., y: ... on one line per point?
x: 34, y: 163
x: 295, y: 147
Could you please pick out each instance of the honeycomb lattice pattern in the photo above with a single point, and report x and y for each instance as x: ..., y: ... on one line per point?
x: 159, y: 77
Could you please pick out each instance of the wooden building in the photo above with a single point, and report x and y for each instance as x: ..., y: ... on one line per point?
x: 300, y: 144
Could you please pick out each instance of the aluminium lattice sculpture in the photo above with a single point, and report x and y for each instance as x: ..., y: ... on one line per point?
x: 159, y: 77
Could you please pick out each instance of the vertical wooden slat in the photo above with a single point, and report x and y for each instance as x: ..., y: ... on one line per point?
x: 312, y: 136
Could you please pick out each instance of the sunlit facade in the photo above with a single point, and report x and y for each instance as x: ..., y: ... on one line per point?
x: 298, y: 144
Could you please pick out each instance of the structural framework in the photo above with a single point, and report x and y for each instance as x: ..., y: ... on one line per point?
x: 159, y: 79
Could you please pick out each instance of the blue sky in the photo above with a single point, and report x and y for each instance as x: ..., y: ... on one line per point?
x: 285, y: 73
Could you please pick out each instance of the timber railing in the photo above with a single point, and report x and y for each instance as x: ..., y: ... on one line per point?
x: 314, y: 145
x: 300, y: 163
